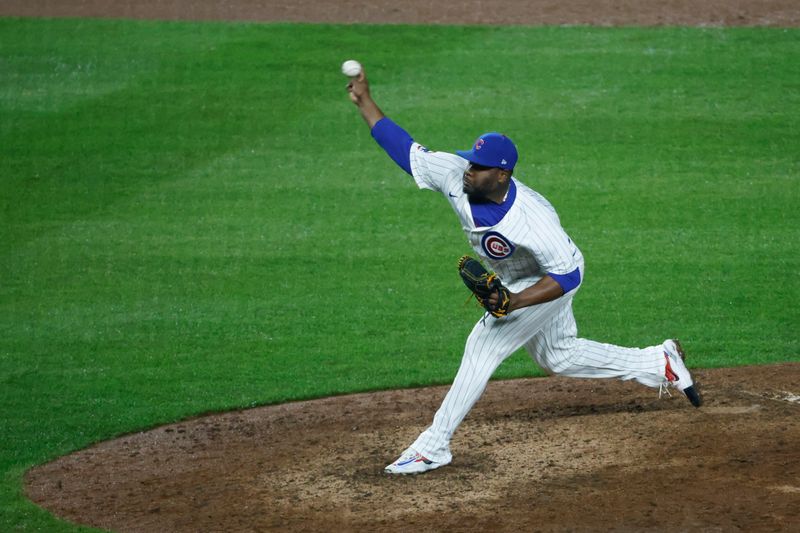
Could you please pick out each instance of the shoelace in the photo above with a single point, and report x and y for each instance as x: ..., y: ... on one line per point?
x: 663, y: 389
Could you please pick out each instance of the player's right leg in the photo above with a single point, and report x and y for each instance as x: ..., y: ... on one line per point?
x: 677, y: 374
x: 558, y: 349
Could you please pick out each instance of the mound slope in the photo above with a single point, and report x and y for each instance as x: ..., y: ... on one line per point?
x: 544, y: 454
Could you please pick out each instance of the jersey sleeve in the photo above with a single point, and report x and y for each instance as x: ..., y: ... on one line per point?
x: 394, y: 140
x: 433, y: 170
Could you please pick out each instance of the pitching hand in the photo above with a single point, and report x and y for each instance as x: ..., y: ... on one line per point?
x: 358, y: 88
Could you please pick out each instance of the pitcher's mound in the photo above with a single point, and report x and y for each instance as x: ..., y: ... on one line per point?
x: 534, y: 454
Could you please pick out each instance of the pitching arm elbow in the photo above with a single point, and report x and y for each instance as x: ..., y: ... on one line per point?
x: 395, y: 141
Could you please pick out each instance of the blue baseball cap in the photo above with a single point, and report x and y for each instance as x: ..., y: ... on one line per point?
x: 492, y: 150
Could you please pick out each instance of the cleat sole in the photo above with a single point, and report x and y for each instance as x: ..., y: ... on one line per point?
x: 691, y: 392
x: 693, y: 396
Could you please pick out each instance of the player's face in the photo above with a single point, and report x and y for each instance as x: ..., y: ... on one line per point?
x: 480, y: 183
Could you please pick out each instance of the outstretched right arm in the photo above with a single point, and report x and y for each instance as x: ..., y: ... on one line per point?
x: 359, y: 94
x: 392, y: 138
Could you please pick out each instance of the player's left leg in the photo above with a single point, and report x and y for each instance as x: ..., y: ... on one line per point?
x: 492, y: 341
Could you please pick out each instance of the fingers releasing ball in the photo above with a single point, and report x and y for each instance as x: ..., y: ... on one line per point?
x: 351, y: 68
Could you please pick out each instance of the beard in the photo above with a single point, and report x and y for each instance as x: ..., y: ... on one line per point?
x: 474, y: 196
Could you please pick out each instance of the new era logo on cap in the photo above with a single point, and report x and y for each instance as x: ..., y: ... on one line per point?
x: 492, y: 150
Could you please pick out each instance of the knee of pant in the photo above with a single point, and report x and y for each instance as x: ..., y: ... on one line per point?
x: 561, y: 357
x: 481, y: 348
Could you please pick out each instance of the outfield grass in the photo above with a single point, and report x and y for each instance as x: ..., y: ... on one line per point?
x: 195, y: 218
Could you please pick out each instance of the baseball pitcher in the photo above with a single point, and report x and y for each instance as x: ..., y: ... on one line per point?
x: 535, y: 270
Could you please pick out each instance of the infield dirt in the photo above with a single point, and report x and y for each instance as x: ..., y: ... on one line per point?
x: 534, y: 455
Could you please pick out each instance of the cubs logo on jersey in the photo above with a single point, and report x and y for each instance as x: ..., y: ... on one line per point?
x: 496, y: 246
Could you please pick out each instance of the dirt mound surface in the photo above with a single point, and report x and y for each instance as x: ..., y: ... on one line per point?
x: 544, y: 454
x: 595, y: 12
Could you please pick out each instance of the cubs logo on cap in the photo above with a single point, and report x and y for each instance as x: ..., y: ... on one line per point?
x: 492, y: 150
x: 497, y: 246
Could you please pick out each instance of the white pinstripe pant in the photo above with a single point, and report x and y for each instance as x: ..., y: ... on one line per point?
x: 549, y: 334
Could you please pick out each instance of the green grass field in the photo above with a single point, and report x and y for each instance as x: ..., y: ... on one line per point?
x: 195, y: 218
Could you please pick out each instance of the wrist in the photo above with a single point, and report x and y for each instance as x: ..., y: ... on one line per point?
x: 514, y: 302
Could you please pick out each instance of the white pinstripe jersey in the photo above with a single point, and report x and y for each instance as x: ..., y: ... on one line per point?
x: 527, y: 243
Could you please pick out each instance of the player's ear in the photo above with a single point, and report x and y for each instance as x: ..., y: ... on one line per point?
x: 505, y: 175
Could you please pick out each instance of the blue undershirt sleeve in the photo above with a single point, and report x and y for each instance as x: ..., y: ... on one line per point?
x: 567, y: 281
x: 395, y: 141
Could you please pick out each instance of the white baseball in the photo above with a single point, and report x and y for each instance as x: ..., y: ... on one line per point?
x: 351, y: 68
